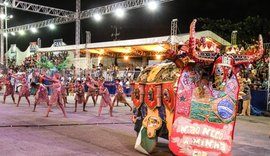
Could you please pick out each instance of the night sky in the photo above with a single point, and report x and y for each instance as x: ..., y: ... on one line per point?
x: 138, y: 23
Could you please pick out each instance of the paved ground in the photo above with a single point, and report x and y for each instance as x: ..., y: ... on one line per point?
x: 27, y: 133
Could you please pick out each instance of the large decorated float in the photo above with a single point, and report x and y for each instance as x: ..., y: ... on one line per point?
x: 191, y: 99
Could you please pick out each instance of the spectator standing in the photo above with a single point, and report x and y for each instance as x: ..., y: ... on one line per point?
x: 246, y: 100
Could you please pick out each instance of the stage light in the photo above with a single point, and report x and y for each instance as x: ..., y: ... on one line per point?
x: 158, y: 57
x: 126, y: 57
x: 3, y: 16
x: 153, y: 5
x: 100, y: 58
x: 97, y: 17
x: 120, y: 13
x: 6, y: 3
x: 52, y: 26
x: 22, y: 32
x: 13, y: 33
x: 10, y: 16
x: 5, y: 34
x: 34, y: 30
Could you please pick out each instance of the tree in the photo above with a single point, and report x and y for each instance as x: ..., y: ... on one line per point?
x: 248, y: 29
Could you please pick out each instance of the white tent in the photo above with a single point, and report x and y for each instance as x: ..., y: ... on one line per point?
x: 15, y: 53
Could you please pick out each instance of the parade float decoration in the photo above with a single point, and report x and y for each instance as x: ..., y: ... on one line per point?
x: 196, y: 109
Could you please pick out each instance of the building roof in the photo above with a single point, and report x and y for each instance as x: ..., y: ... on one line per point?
x: 137, y: 46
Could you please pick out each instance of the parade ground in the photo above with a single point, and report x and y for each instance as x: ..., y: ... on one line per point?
x: 27, y: 133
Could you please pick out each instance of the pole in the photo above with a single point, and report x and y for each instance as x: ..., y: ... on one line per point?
x: 4, y: 60
x: 88, y: 54
x: 78, y: 34
x: 2, y: 38
x: 268, y: 89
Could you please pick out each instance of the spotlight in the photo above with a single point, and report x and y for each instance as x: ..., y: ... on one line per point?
x: 34, y: 30
x: 126, y: 57
x: 6, y: 3
x: 153, y: 5
x: 3, y: 16
x: 22, y: 32
x: 158, y: 57
x: 5, y: 34
x: 13, y: 33
x: 52, y: 26
x: 100, y: 58
x: 120, y: 13
x: 97, y: 17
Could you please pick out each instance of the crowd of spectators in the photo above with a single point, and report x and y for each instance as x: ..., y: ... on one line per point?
x: 256, y: 74
x: 31, y: 61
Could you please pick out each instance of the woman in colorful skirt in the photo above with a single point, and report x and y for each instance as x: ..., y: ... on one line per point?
x: 92, y: 89
x: 105, y: 100
x: 56, y: 97
x: 120, y: 95
x: 24, y: 91
x: 79, y: 98
x: 41, y: 94
x: 9, y: 88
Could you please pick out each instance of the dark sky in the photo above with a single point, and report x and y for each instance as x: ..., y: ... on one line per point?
x: 138, y: 23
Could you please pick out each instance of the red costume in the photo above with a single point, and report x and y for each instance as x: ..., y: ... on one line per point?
x: 56, y: 97
x: 92, y: 90
x: 9, y: 88
x: 41, y: 94
x: 120, y: 95
x: 79, y: 98
x: 24, y: 91
x: 64, y: 93
x: 105, y: 100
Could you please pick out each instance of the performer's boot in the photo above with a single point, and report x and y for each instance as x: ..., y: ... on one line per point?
x: 94, y: 100
x: 35, y: 105
x: 48, y: 111
x: 18, y: 101
x: 28, y: 100
x: 75, y: 106
x: 111, y: 111
x: 84, y: 105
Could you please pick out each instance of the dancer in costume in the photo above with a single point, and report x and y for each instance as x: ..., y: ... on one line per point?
x: 105, y: 100
x: 71, y: 88
x: 79, y: 98
x: 64, y: 92
x: 56, y: 97
x: 24, y: 91
x: 92, y: 89
x: 99, y: 83
x: 120, y: 95
x: 41, y: 94
x: 9, y: 87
